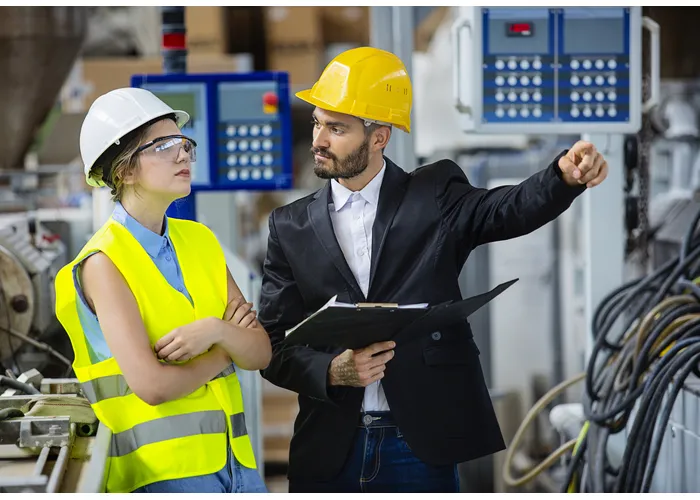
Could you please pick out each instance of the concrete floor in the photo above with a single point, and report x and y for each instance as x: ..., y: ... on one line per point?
x: 277, y: 484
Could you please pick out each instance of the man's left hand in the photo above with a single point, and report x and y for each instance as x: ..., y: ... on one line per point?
x: 583, y: 165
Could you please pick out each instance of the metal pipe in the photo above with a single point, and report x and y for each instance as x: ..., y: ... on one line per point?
x: 41, y: 461
x: 95, y: 471
x: 58, y: 469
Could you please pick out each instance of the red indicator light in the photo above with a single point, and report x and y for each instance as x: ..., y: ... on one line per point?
x: 270, y: 98
x: 175, y: 41
x: 520, y: 29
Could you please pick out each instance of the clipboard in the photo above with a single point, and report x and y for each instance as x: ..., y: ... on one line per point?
x: 354, y: 326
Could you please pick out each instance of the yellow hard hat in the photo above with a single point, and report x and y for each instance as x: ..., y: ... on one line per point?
x: 367, y: 83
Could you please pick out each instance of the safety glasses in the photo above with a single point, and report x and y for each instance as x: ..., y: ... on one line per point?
x: 168, y: 148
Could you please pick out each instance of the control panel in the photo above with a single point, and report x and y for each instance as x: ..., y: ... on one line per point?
x: 241, y: 123
x: 550, y: 70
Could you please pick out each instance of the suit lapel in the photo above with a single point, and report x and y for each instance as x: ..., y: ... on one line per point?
x: 320, y: 218
x: 390, y: 196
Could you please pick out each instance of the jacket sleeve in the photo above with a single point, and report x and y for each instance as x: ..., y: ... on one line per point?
x: 476, y: 216
x: 299, y: 369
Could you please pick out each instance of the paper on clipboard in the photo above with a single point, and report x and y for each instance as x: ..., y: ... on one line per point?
x: 353, y: 326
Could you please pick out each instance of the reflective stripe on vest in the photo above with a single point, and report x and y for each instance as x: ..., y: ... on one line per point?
x: 229, y: 370
x: 173, y: 427
x: 114, y: 386
x: 99, y: 389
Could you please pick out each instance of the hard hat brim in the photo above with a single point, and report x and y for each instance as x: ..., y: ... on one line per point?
x: 307, y: 96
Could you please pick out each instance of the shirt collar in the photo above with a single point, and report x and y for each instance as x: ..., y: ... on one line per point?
x: 370, y: 192
x: 150, y: 241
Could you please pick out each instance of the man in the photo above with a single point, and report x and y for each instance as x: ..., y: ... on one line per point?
x: 394, y: 416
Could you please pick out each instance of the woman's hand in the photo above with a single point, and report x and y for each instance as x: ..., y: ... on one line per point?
x: 189, y: 341
x: 241, y: 313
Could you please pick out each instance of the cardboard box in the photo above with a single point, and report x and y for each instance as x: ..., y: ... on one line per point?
x: 304, y: 65
x: 292, y: 26
x: 426, y: 29
x: 206, y: 30
x: 346, y: 25
x: 94, y: 77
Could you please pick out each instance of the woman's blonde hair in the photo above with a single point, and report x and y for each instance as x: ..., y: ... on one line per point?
x: 127, y: 161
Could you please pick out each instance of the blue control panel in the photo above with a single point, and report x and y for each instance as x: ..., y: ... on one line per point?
x: 564, y: 69
x: 241, y: 123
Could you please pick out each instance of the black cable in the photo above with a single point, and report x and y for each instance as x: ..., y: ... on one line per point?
x: 600, y: 338
x: 6, y: 413
x: 663, y: 422
x: 633, y: 369
x: 43, y: 347
x: 16, y: 384
x: 651, y: 419
x: 628, y: 300
x: 636, y: 451
x: 602, y: 401
x: 575, y: 463
x: 661, y: 400
x: 688, y: 237
x: 640, y: 427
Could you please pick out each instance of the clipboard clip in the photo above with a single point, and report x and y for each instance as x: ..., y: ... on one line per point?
x: 376, y: 305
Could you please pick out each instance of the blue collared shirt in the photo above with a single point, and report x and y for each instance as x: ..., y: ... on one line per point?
x: 159, y: 248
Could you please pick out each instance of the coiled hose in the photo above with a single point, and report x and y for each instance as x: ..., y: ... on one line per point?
x: 642, y: 366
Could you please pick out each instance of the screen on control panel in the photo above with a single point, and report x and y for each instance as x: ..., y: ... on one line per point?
x: 191, y: 98
x: 594, y: 30
x: 518, y: 31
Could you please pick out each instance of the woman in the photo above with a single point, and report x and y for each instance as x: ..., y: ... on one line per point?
x: 156, y: 321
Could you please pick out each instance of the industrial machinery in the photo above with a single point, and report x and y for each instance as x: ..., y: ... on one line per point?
x: 242, y: 126
x: 540, y: 71
x: 48, y: 433
x: 37, y: 41
x: 30, y: 258
x: 50, y: 439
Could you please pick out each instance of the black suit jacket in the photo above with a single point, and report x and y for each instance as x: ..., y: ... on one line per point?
x: 427, y: 223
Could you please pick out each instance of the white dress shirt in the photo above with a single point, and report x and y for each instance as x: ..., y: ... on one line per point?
x: 352, y: 215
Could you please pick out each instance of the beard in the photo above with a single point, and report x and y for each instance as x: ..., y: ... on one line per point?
x: 351, y: 166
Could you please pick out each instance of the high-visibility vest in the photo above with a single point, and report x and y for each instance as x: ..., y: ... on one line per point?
x: 181, y: 438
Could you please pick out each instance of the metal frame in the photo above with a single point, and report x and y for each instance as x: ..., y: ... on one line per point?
x: 604, y: 230
x: 391, y: 29
x: 37, y: 434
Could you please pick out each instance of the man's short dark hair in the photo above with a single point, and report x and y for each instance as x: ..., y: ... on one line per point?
x: 374, y: 126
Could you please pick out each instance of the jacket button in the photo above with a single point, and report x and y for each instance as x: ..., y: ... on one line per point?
x: 436, y: 335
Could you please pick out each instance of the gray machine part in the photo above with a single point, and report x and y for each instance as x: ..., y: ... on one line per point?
x: 27, y: 274
x: 38, y: 452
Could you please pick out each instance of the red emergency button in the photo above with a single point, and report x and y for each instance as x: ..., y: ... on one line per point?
x: 270, y: 102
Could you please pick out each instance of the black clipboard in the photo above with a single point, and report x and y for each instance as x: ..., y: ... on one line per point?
x: 358, y: 326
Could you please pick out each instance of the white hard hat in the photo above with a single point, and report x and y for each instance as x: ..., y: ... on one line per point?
x: 114, y: 115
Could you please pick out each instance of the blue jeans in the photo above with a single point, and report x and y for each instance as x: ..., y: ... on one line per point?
x: 381, y: 461
x: 233, y: 478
